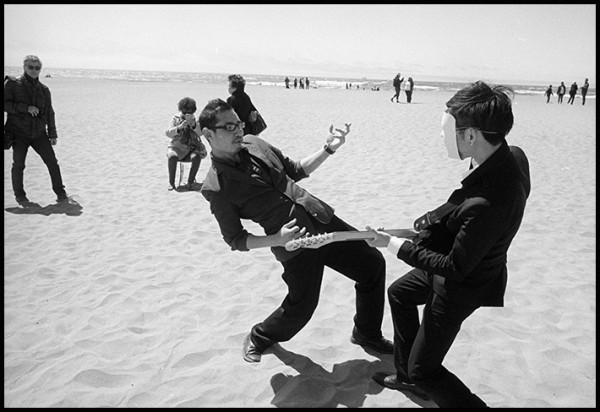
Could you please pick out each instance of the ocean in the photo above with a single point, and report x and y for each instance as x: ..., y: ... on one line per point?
x: 268, y: 80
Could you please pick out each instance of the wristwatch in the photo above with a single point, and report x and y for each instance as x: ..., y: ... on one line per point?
x: 328, y: 150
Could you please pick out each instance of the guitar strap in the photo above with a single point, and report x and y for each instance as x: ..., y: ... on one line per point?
x: 436, y: 215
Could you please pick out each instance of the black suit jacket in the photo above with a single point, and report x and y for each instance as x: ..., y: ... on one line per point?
x: 467, y: 252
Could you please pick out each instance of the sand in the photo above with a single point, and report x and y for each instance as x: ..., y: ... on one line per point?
x: 128, y: 296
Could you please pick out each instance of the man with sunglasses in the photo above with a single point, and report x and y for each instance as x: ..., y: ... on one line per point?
x: 30, y: 120
x: 251, y: 179
x: 461, y: 266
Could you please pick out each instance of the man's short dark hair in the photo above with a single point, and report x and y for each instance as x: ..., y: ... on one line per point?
x: 487, y: 108
x: 208, y: 116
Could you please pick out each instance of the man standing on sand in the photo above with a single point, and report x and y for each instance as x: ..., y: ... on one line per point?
x: 548, y: 93
x: 397, y: 83
x: 572, y: 93
x: 560, y: 92
x: 584, y: 90
x: 30, y: 120
x: 461, y: 266
x: 251, y: 179
x: 408, y: 89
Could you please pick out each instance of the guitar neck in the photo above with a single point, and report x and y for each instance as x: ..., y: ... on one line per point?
x: 315, y: 242
x: 365, y: 234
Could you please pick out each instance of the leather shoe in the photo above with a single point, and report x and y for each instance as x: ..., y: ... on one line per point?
x: 380, y: 345
x: 250, y: 352
x: 391, y: 381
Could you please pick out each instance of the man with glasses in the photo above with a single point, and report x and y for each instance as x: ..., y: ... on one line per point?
x: 461, y: 266
x: 30, y: 120
x: 251, y: 179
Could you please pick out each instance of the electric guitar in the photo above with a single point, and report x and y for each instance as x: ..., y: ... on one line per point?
x: 420, y: 225
x: 316, y: 241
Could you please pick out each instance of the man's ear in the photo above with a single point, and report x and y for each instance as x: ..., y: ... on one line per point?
x: 472, y: 135
x: 207, y: 133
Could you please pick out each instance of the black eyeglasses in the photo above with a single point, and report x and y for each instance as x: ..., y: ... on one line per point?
x: 32, y: 67
x: 230, y: 127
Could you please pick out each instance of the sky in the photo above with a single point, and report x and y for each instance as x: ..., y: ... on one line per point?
x: 504, y: 43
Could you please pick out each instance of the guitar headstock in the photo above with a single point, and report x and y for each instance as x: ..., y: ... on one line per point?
x: 309, y: 242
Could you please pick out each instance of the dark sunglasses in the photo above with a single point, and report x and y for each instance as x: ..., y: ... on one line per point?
x: 230, y: 127
x: 32, y: 67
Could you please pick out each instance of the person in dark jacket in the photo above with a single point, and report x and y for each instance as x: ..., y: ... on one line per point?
x: 560, y: 92
x: 397, y: 83
x: 461, y: 266
x: 241, y: 102
x: 251, y: 179
x: 408, y: 89
x: 30, y: 120
x: 548, y: 93
x: 572, y: 93
x: 584, y: 90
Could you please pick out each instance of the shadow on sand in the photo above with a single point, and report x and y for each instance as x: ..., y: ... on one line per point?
x: 347, y: 385
x: 69, y: 208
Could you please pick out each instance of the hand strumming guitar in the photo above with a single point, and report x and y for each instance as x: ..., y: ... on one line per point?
x: 382, y: 239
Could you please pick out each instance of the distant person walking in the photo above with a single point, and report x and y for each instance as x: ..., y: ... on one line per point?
x: 301, y: 83
x: 287, y: 83
x: 307, y: 82
x: 572, y: 93
x: 396, y: 82
x: 408, y: 89
x: 560, y: 92
x: 548, y: 93
x: 584, y: 90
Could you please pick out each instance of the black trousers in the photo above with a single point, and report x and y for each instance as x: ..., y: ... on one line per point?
x: 43, y: 148
x: 303, y: 275
x: 420, y: 348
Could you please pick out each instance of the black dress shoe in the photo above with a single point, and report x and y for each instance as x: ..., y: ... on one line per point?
x: 380, y: 345
x: 250, y: 352
x: 391, y: 381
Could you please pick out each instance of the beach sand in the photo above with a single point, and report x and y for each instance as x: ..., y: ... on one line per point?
x: 129, y: 297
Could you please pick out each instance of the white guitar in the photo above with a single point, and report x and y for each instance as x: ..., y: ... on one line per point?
x: 316, y: 241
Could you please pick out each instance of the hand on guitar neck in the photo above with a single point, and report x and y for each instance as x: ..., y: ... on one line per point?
x: 371, y: 236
